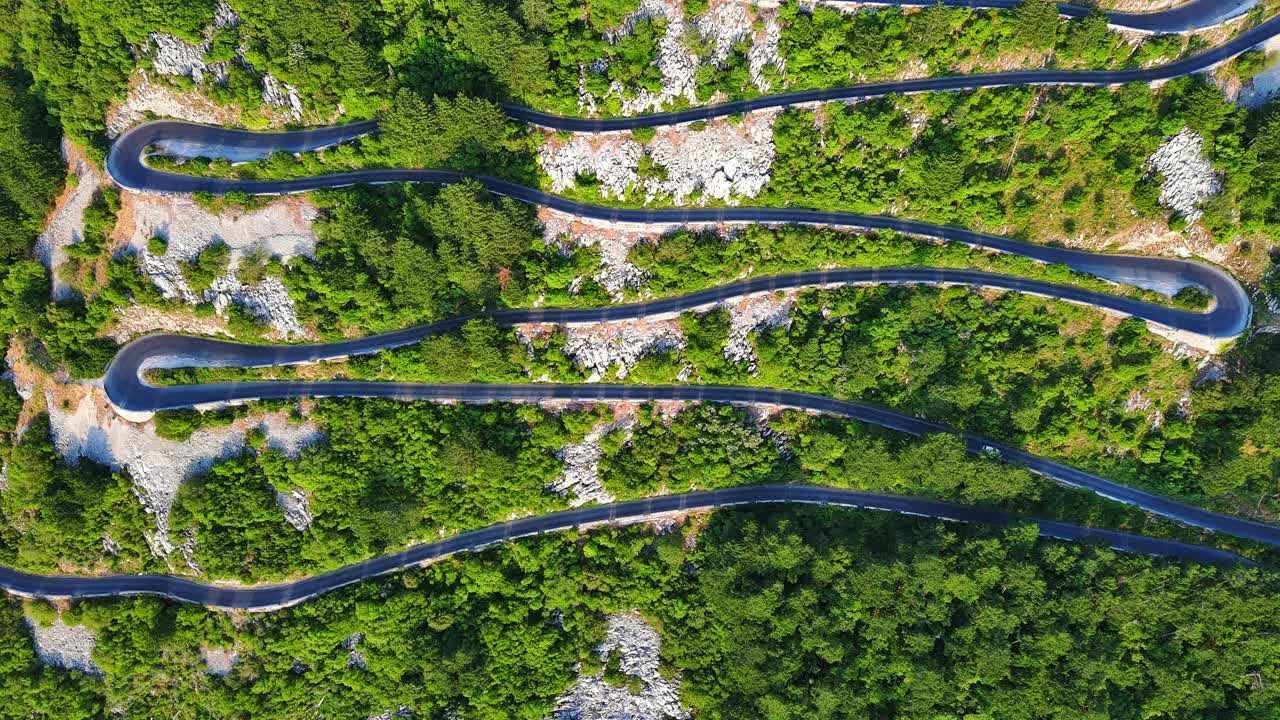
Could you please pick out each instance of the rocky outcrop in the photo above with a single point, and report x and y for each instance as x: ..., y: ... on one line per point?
x: 617, y: 274
x: 171, y: 55
x: 638, y: 646
x: 282, y: 229
x: 296, y: 506
x: 602, y: 347
x: 752, y: 315
x: 65, y: 646
x: 580, y: 478
x: 722, y: 27
x: 156, y: 465
x: 722, y: 160
x: 281, y: 95
x: 1189, y: 179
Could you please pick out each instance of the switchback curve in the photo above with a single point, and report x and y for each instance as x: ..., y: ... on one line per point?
x: 1229, y: 317
x: 126, y: 388
x: 267, y: 597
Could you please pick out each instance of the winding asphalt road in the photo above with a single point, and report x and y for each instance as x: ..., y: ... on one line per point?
x: 1186, y: 17
x: 126, y: 388
x: 268, y: 597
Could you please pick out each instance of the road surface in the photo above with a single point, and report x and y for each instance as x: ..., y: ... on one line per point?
x: 267, y: 597
x: 123, y: 383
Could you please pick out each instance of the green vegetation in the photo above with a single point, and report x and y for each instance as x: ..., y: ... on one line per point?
x: 687, y: 261
x: 1048, y: 163
x: 32, y: 173
x: 388, y: 472
x: 210, y: 264
x: 876, y: 614
x: 57, y: 515
x: 394, y: 257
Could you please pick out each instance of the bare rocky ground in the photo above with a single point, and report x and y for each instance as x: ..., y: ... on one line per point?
x: 723, y: 161
x: 134, y: 320
x: 171, y: 55
x: 750, y: 315
x: 1189, y: 179
x: 721, y: 26
x: 84, y: 425
x: 219, y: 661
x: 598, y: 348
x: 65, y: 225
x: 282, y: 229
x: 617, y: 275
x: 65, y: 646
x: 613, y: 348
x: 580, y: 478
x: 638, y: 644
x: 296, y: 506
x: 146, y: 95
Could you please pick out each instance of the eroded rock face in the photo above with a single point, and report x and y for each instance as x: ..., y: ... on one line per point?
x: 1189, y: 179
x: 638, y: 644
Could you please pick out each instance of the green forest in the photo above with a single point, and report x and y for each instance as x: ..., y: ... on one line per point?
x: 778, y: 613
x: 770, y: 612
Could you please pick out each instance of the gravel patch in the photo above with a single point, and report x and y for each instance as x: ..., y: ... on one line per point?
x: 580, y: 478
x: 1189, y: 179
x: 65, y: 225
x: 65, y: 646
x: 722, y: 161
x: 297, y: 508
x: 750, y: 315
x: 158, y: 466
x: 594, y: 699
